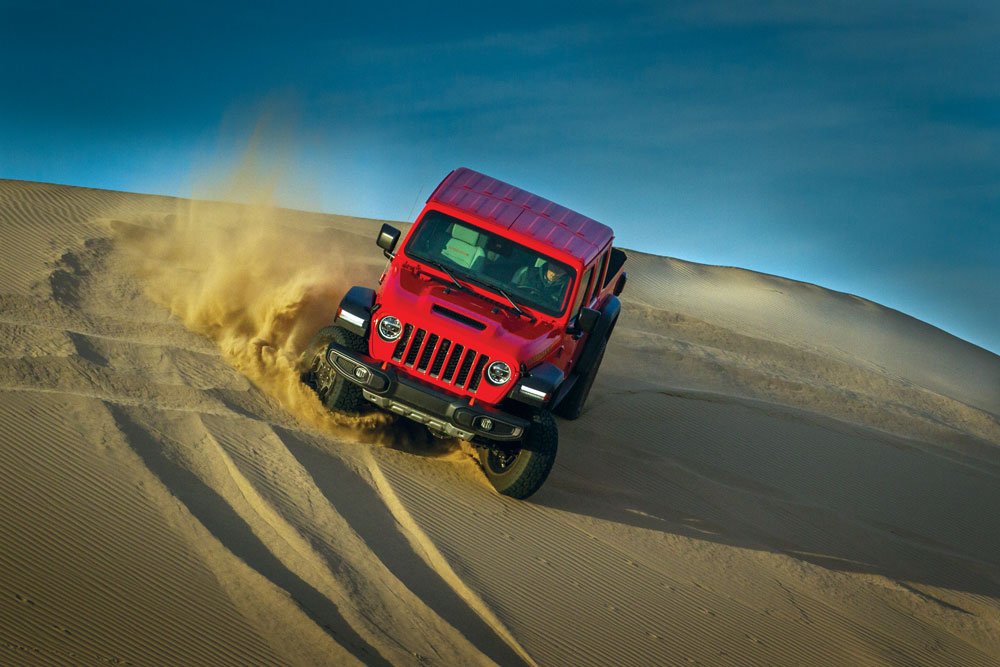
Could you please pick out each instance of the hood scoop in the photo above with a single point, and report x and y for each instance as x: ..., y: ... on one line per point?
x: 458, y: 317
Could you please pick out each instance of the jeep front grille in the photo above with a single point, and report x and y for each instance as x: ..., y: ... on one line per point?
x: 437, y: 357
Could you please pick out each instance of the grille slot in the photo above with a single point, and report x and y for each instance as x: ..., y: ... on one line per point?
x: 477, y: 373
x: 463, y: 371
x: 411, y: 355
x: 449, y: 370
x: 425, y: 358
x: 397, y: 353
x: 433, y: 355
x: 439, y: 357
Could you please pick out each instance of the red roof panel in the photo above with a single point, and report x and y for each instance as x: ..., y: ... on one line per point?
x: 523, y: 213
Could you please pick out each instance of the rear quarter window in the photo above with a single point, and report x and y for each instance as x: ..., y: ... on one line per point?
x: 602, y: 279
x: 586, y: 283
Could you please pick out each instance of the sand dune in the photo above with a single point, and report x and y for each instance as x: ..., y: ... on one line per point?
x: 768, y: 472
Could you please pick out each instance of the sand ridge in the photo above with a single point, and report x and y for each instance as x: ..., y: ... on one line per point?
x: 768, y: 472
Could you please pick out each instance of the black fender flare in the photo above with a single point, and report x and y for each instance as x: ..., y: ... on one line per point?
x: 355, y: 310
x: 539, y: 386
x: 600, y: 333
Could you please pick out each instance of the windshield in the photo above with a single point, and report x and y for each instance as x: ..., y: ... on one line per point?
x: 470, y: 252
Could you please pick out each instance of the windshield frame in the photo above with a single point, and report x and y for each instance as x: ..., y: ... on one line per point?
x: 483, y: 281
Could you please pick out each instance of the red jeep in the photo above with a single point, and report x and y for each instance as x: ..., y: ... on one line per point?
x: 492, y: 316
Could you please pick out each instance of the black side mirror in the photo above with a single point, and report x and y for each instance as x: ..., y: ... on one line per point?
x: 387, y: 239
x: 620, y: 285
x: 587, y: 319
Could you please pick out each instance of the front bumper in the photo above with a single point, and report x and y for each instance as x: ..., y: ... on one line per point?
x: 419, y: 401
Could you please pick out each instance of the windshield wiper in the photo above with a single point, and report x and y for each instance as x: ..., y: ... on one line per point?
x: 491, y: 286
x: 441, y: 267
x: 513, y: 305
x: 472, y: 279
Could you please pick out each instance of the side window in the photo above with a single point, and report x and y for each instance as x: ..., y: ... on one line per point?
x: 586, y: 283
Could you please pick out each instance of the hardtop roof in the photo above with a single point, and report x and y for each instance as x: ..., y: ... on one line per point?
x: 522, y: 212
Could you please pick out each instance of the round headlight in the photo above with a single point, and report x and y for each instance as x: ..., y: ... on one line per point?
x: 389, y: 328
x: 498, y: 372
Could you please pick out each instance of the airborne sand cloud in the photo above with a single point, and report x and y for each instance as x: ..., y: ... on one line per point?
x: 239, y: 276
x: 258, y: 290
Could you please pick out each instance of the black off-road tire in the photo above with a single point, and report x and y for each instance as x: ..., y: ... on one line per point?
x: 571, y: 406
x: 334, y: 391
x: 518, y: 473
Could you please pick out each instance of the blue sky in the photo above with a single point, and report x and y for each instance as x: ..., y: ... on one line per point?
x: 855, y: 145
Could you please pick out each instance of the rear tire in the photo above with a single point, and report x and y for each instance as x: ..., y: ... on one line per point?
x: 572, y: 405
x: 518, y: 473
x: 333, y: 390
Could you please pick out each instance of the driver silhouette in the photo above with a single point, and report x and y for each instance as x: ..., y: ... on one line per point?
x: 549, y: 280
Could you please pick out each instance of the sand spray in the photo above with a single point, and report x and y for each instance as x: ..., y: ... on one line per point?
x: 240, y: 275
x: 234, y: 274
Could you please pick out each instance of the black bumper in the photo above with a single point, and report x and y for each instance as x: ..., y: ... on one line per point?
x: 422, y: 402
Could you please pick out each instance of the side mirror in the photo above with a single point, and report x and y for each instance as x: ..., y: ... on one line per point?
x: 620, y: 285
x: 587, y: 319
x: 387, y: 239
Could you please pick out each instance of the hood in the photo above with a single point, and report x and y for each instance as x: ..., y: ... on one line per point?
x: 465, y: 317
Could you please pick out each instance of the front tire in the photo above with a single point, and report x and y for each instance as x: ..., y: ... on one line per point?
x: 334, y: 391
x: 518, y: 473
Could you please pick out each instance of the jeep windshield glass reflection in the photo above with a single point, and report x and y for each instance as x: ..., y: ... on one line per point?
x: 473, y: 253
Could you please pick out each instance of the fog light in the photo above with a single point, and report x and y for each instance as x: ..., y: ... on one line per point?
x: 361, y: 373
x: 486, y: 424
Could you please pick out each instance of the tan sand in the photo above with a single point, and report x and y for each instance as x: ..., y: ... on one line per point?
x: 768, y: 472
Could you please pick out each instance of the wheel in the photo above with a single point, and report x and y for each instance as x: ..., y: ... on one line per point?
x: 519, y: 472
x: 335, y: 392
x: 572, y: 405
